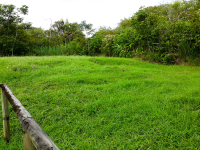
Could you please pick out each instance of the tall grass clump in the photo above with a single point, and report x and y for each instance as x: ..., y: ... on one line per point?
x: 72, y: 48
x: 48, y: 51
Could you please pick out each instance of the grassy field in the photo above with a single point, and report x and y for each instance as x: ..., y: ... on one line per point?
x: 105, y: 103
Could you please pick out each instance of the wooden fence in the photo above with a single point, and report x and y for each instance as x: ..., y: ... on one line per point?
x: 33, y: 136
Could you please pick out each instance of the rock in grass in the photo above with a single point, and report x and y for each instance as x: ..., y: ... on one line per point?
x: 124, y: 70
x: 16, y: 69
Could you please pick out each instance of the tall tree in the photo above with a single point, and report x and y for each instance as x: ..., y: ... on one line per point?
x: 59, y: 26
x: 87, y: 28
x: 9, y: 21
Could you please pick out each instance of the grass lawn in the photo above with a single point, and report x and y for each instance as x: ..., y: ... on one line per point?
x: 105, y: 103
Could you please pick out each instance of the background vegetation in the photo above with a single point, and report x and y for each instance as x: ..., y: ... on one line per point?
x: 168, y: 33
x: 105, y: 103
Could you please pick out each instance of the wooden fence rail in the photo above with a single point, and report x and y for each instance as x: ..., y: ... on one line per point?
x: 34, y: 137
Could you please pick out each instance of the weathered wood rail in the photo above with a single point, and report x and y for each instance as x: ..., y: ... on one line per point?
x: 33, y: 135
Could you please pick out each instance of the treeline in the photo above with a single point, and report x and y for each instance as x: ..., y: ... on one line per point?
x: 18, y: 38
x: 168, y: 33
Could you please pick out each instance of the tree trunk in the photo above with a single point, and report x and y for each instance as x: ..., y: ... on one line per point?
x: 88, y: 47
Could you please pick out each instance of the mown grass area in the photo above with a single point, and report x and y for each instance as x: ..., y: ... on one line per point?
x: 105, y: 103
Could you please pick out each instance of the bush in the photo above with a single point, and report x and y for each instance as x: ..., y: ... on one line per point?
x: 107, y: 45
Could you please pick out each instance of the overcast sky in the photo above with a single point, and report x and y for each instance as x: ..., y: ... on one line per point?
x: 97, y: 12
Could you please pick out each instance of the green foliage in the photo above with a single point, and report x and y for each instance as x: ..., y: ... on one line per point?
x: 72, y: 48
x: 18, y: 38
x: 165, y: 33
x: 107, y: 45
x: 83, y: 26
x: 95, y: 44
x: 47, y: 51
x: 124, y: 23
x: 75, y: 48
x: 124, y: 43
x: 167, y: 30
x: 99, y: 43
x: 9, y: 30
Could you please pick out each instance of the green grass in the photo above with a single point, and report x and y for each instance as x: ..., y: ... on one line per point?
x: 105, y: 103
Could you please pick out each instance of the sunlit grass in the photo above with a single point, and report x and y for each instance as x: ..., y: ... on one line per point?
x: 105, y: 103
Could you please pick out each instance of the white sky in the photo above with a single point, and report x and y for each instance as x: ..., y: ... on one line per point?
x: 97, y: 12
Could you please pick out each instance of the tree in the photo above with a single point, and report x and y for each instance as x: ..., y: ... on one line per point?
x: 59, y: 26
x: 9, y: 22
x: 96, y: 41
x: 72, y: 31
x: 87, y: 28
x: 124, y: 23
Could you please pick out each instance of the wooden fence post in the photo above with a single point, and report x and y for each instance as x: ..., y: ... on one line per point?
x: 28, y: 145
x: 5, y: 112
x: 34, y: 134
